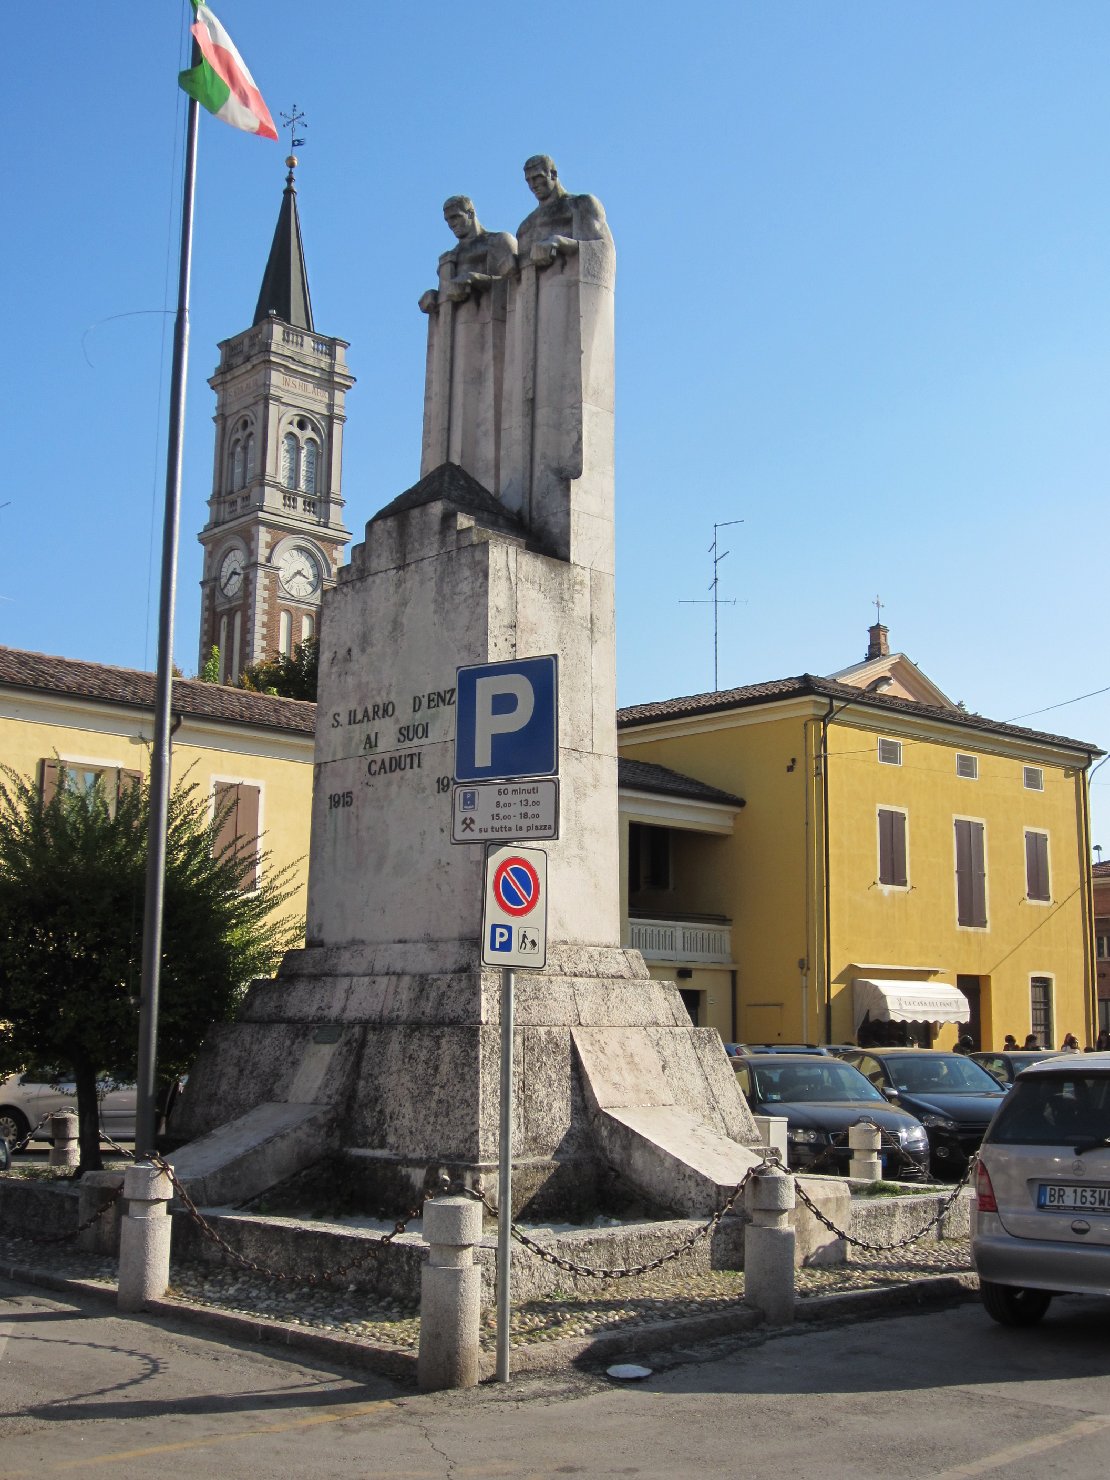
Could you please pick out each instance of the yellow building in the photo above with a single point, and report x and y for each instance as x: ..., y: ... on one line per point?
x: 892, y: 849
x: 98, y: 721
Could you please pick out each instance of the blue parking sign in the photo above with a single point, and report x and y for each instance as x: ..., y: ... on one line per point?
x: 507, y: 720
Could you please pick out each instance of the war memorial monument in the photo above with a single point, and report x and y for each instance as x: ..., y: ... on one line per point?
x: 379, y: 1039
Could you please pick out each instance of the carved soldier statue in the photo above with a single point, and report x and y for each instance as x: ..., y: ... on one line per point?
x: 561, y: 220
x: 466, y: 347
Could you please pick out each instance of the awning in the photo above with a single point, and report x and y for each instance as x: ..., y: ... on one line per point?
x: 908, y: 1002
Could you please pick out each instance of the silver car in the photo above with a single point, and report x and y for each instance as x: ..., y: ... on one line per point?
x: 26, y: 1098
x: 1040, y: 1221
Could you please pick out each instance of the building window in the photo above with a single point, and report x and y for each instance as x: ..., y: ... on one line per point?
x: 238, y: 464
x: 890, y: 752
x: 289, y: 460
x: 250, y: 456
x: 967, y: 766
x: 892, y: 848
x: 1034, y: 778
x: 1102, y: 947
x: 81, y: 779
x: 649, y: 857
x: 285, y: 634
x: 1040, y: 1009
x: 236, y: 645
x: 971, y: 874
x: 1036, y: 867
x: 311, y: 459
x: 225, y: 656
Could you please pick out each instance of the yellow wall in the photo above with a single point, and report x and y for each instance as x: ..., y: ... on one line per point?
x: 917, y: 926
x: 757, y: 877
x: 33, y: 728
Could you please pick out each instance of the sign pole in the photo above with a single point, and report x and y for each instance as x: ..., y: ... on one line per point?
x: 505, y: 1176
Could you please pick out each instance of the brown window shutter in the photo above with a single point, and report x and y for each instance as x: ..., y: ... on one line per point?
x: 247, y: 820
x: 898, y: 848
x: 127, y: 781
x: 971, y: 873
x: 50, y: 780
x: 226, y: 796
x: 1036, y: 866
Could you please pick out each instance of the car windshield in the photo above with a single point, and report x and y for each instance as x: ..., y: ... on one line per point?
x: 939, y: 1073
x: 1055, y: 1110
x: 824, y: 1079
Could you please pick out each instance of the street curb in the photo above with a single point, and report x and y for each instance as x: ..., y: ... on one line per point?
x: 532, y: 1359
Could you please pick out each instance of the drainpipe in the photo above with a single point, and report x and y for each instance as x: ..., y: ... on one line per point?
x: 1083, y: 781
x: 827, y: 719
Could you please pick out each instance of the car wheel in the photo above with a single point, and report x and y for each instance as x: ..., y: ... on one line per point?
x: 1013, y: 1305
x: 14, y: 1125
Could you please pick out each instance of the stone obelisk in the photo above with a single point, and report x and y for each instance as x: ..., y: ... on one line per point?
x: 384, y: 1027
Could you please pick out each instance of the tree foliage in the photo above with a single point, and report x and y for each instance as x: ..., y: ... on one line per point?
x: 287, y: 676
x: 210, y: 668
x: 72, y: 885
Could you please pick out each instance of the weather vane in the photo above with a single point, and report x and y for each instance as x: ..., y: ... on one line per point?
x: 879, y: 610
x: 293, y: 121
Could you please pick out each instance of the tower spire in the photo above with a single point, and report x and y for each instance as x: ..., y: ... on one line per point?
x: 284, y: 293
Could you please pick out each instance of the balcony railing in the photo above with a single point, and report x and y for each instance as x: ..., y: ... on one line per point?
x: 681, y: 940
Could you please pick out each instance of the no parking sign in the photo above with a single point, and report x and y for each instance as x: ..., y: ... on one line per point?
x: 514, y: 914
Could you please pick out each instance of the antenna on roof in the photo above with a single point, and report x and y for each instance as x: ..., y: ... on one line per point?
x: 714, y: 600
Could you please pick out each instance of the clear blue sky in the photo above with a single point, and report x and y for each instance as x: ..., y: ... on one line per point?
x: 863, y: 305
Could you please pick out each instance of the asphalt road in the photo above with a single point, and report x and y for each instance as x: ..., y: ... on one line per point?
x: 946, y: 1394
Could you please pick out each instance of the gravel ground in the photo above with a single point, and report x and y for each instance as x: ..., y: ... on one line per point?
x: 617, y: 1304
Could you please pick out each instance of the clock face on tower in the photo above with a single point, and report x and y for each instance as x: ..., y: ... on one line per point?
x: 231, y: 573
x: 299, y: 573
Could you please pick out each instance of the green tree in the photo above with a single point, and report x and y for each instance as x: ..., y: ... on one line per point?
x: 72, y: 883
x: 210, y: 668
x: 287, y: 676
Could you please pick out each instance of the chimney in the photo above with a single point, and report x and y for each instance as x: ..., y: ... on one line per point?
x: 877, y: 645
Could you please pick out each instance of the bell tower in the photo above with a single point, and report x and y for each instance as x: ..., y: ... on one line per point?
x: 275, y: 530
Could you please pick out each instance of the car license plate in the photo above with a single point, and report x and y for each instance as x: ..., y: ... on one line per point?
x: 1074, y: 1197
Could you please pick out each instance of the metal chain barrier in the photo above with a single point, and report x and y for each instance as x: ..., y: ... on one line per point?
x: 902, y: 1243
x: 14, y: 1146
x: 112, y: 1197
x: 595, y: 1272
x: 315, y: 1277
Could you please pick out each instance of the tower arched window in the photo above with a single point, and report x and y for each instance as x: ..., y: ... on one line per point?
x: 249, y: 456
x: 237, y: 464
x: 289, y: 460
x: 311, y: 459
x: 285, y: 634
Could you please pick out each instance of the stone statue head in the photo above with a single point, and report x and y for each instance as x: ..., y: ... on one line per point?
x: 542, y: 176
x: 461, y: 217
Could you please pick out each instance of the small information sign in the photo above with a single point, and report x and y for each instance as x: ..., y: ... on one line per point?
x: 505, y: 811
x: 514, y: 913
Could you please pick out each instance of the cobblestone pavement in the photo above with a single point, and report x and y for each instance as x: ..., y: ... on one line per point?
x: 617, y: 1305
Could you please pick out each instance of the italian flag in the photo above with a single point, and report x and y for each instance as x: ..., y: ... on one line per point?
x: 221, y: 82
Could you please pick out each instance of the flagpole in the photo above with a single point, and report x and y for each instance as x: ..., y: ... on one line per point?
x: 146, y: 1119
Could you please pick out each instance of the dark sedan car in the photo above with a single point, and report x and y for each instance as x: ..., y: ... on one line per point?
x: 1005, y: 1067
x: 953, y: 1097
x: 821, y: 1099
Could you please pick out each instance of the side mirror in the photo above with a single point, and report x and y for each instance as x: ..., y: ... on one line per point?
x: 889, y: 1091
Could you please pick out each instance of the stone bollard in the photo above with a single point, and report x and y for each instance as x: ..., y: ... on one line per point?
x: 450, y: 1295
x: 144, y: 1245
x: 64, y: 1152
x: 864, y: 1141
x: 769, y: 1245
x: 772, y: 1132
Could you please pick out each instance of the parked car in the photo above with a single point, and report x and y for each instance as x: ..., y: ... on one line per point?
x: 1040, y: 1221
x: 953, y: 1097
x: 745, y: 1050
x: 821, y: 1099
x: 5, y: 1155
x: 26, y: 1098
x: 1005, y: 1067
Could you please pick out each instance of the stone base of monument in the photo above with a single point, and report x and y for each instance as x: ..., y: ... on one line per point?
x: 353, y: 1051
